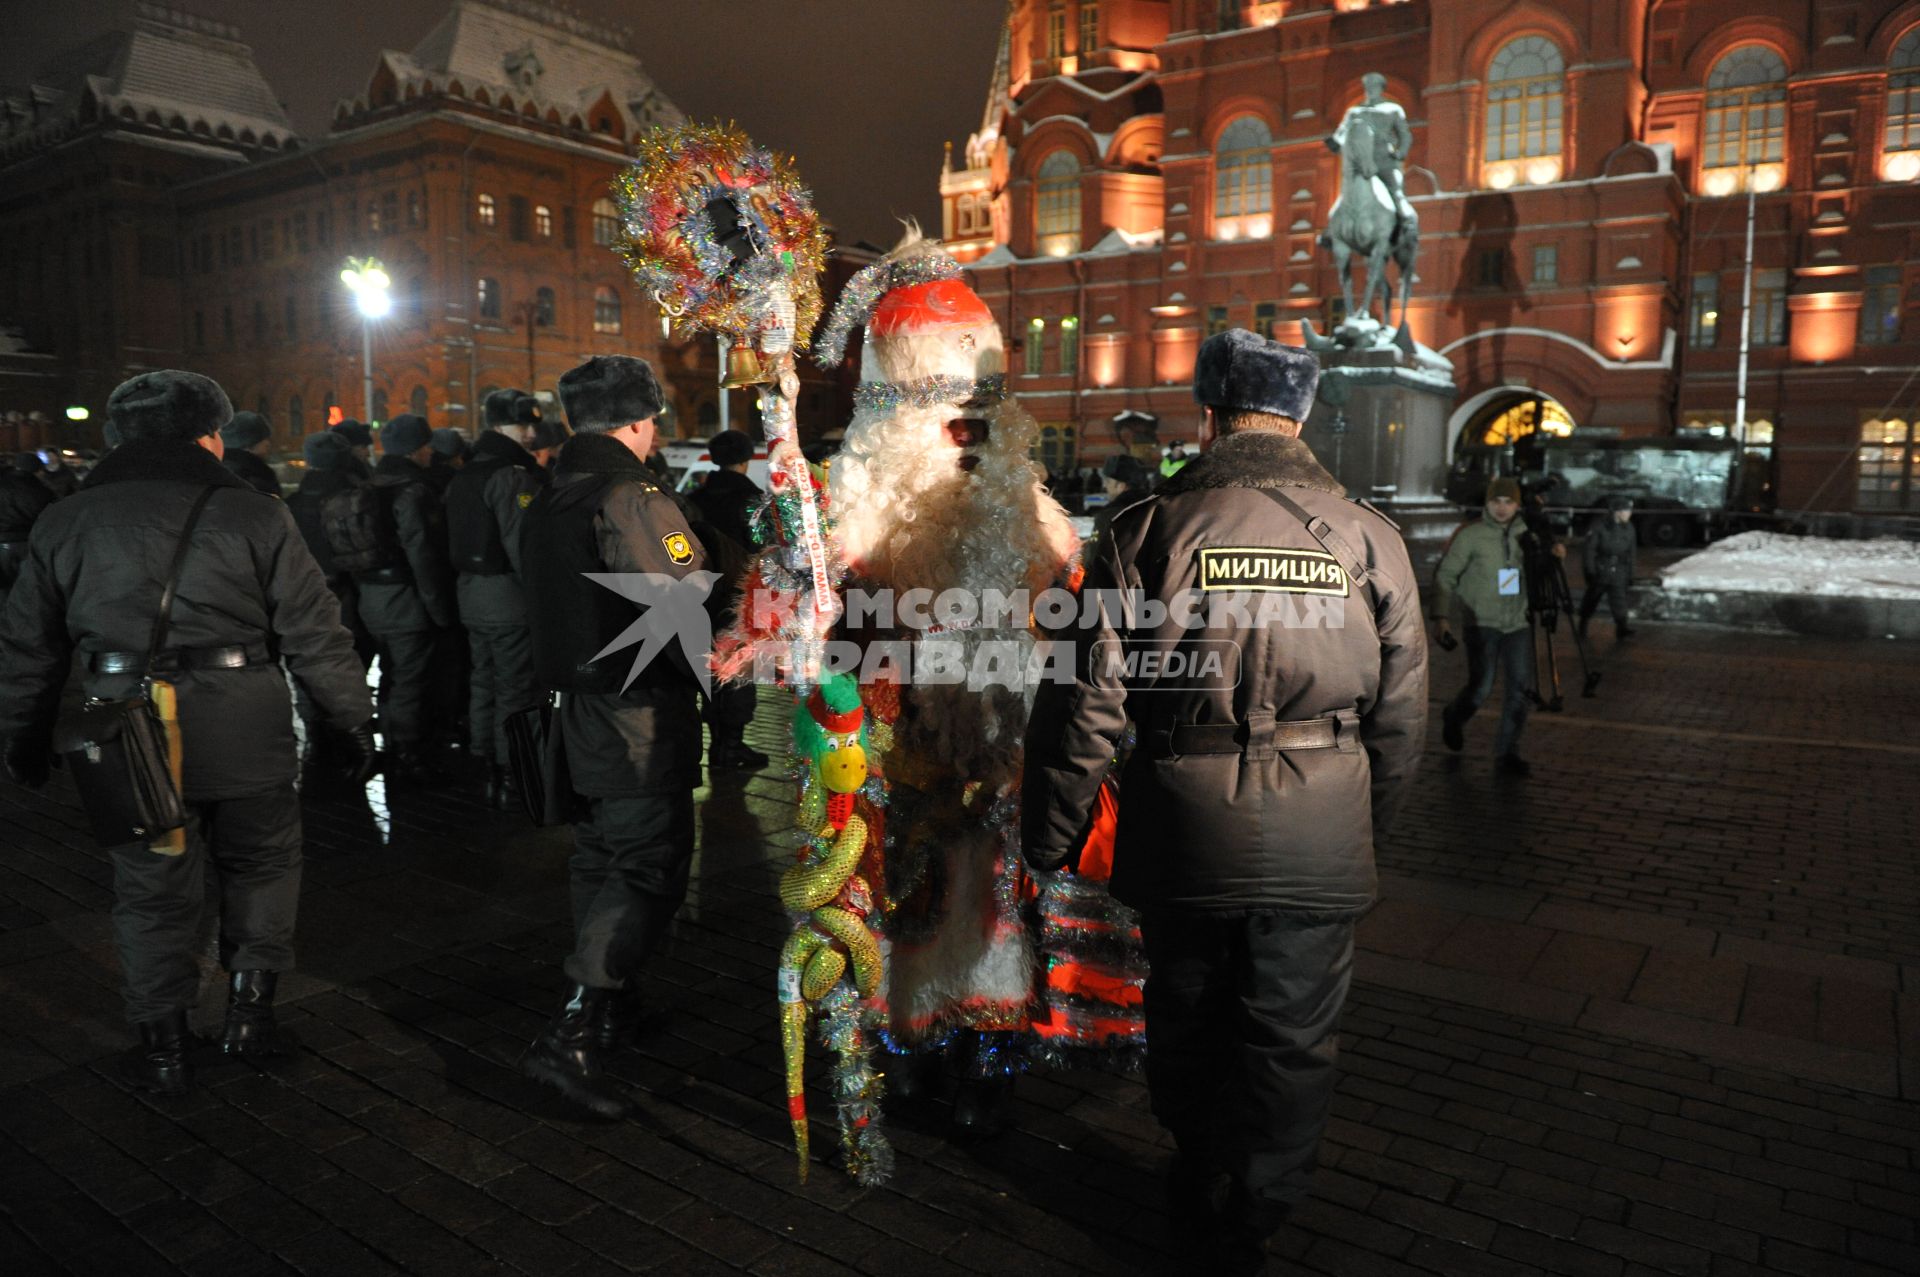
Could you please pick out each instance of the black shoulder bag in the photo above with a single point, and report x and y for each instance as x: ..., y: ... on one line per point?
x: 117, y: 751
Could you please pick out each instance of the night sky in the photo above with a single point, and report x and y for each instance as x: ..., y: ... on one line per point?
x: 861, y: 92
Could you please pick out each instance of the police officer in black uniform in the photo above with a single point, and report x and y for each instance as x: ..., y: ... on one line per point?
x: 1260, y: 779
x: 249, y: 442
x: 23, y: 499
x: 407, y: 603
x: 632, y: 735
x: 486, y: 503
x: 249, y: 596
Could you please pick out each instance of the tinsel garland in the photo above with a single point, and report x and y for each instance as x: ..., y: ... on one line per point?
x: 864, y: 291
x: 879, y: 397
x: 667, y: 234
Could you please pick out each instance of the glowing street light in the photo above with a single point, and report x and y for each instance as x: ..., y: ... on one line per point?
x: 368, y: 282
x: 78, y: 413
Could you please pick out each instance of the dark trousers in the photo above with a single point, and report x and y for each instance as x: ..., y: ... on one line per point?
x: 1616, y: 594
x: 631, y: 860
x: 502, y: 683
x: 730, y: 709
x: 1241, y: 1012
x: 406, y: 686
x: 1510, y: 655
x: 254, y: 846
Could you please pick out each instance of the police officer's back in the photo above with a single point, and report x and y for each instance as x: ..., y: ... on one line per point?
x: 249, y: 595
x: 1260, y: 778
x: 486, y: 504
x: 632, y: 737
x: 22, y: 500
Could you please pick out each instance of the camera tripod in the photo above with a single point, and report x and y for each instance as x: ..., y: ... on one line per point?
x: 1548, y: 599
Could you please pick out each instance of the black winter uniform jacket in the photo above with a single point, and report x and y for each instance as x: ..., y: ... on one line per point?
x: 1264, y: 829
x: 486, y: 503
x: 96, y: 565
x: 418, y: 593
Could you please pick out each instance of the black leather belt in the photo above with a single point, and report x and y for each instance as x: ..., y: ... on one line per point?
x: 236, y: 656
x: 1259, y: 737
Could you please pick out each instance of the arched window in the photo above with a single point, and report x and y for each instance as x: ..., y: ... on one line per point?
x: 487, y: 298
x: 379, y: 405
x: 543, y: 221
x: 1057, y: 211
x: 484, y: 211
x: 1526, y: 99
x: 1745, y: 138
x: 417, y: 401
x: 1901, y: 161
x: 296, y: 416
x: 1243, y: 180
x: 606, y: 222
x: 606, y: 310
x: 543, y: 307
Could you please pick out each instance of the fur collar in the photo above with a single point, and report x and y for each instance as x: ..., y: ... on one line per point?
x: 1254, y: 459
x: 176, y: 460
x: 597, y: 454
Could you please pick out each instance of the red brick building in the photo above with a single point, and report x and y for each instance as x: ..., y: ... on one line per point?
x: 1151, y: 170
x: 157, y: 210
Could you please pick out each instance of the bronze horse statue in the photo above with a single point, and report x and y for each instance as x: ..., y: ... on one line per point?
x: 1365, y: 221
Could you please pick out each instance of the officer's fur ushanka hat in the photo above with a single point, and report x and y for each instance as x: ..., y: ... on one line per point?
x: 404, y: 435
x: 245, y: 430
x: 511, y: 408
x: 1239, y: 370
x: 168, y: 404
x: 608, y: 392
x: 326, y: 450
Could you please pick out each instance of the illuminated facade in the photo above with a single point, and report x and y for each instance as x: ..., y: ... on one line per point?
x: 1155, y: 170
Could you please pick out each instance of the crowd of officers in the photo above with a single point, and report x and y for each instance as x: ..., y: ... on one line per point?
x: 1287, y: 773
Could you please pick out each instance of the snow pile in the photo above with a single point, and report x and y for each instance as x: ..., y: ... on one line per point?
x: 1770, y: 563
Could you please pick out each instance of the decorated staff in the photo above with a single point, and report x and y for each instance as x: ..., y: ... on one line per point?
x: 725, y: 237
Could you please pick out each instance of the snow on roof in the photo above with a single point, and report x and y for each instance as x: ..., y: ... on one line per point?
x: 529, y: 53
x: 165, y: 69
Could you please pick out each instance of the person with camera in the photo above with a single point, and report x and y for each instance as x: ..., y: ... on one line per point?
x: 246, y: 595
x: 1485, y: 574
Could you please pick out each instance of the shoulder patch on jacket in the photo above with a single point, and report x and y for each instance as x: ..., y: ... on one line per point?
x: 678, y: 548
x: 523, y: 499
x: 1272, y: 570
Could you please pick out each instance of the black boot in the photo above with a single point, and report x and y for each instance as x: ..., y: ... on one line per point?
x: 502, y: 793
x: 913, y: 1078
x: 566, y: 1056
x: 1196, y: 1194
x: 624, y: 1016
x: 250, y: 1031
x: 410, y: 768
x: 159, y: 1063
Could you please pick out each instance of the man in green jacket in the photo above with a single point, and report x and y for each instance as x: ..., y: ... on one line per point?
x: 1484, y: 574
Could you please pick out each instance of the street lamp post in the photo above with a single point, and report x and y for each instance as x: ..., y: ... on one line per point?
x: 368, y: 282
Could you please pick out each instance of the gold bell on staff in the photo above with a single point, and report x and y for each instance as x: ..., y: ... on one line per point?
x: 743, y: 368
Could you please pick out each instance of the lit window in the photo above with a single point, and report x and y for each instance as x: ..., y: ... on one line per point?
x: 1243, y: 180
x: 606, y: 222
x: 1057, y: 216
x: 543, y: 221
x: 1036, y: 344
x: 1089, y: 27
x: 483, y: 210
x: 1887, y: 448
x: 1769, y: 326
x: 373, y: 219
x: 543, y: 308
x: 1056, y: 33
x: 413, y: 208
x: 1546, y: 264
x: 1703, y: 312
x: 1744, y: 141
x: 1901, y: 162
x: 487, y: 297
x: 1880, y: 307
x: 1529, y: 416
x: 1069, y: 343
x: 1526, y: 98
x: 606, y: 310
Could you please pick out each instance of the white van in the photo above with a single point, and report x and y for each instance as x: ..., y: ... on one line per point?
x: 689, y: 462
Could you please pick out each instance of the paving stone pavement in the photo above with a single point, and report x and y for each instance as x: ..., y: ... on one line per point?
x: 1656, y: 1010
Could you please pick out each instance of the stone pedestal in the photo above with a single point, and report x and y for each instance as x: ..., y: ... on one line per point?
x: 1379, y: 424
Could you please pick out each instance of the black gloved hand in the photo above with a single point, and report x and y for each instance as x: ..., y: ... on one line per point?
x: 356, y: 753
x: 29, y: 761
